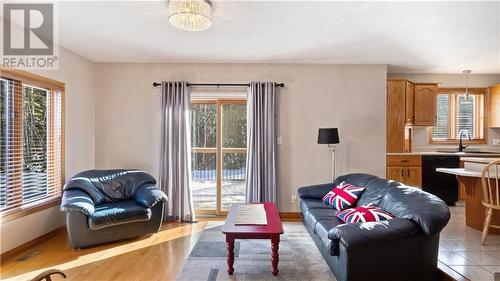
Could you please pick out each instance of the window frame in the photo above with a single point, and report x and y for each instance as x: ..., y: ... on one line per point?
x: 28, y: 78
x: 475, y: 91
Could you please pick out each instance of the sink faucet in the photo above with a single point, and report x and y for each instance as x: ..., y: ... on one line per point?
x: 461, y: 147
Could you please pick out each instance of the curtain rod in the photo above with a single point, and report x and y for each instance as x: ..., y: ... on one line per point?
x: 155, y: 84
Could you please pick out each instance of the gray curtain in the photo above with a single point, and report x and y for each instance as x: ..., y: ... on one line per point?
x: 261, y: 143
x: 175, y: 151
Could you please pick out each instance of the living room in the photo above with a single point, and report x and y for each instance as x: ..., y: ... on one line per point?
x: 194, y: 108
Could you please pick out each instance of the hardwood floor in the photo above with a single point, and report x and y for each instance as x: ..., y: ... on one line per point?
x: 159, y: 257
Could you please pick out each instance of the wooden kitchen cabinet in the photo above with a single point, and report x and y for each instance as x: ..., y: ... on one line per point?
x: 495, y: 106
x: 406, y: 169
x: 425, y: 104
x: 399, y: 114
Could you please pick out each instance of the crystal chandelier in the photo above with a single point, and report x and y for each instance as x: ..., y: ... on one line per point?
x: 190, y: 15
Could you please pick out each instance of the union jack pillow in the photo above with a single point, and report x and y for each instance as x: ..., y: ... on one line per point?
x: 364, y: 214
x: 343, y: 196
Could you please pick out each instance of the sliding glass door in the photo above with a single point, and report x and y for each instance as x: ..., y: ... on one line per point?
x: 218, y: 141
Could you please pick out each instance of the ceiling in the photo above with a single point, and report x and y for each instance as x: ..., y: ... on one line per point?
x: 411, y: 37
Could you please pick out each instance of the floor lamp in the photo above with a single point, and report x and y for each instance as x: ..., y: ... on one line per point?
x: 329, y: 136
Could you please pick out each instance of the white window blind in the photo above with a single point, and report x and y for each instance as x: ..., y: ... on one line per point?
x: 31, y: 145
x: 456, y: 113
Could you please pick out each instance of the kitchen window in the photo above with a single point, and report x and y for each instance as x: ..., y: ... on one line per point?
x: 457, y: 112
x: 31, y: 143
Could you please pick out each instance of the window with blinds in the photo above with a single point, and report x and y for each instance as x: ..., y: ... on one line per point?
x: 457, y: 112
x: 31, y: 143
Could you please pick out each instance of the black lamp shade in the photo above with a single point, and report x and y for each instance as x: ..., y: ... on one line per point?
x: 328, y: 136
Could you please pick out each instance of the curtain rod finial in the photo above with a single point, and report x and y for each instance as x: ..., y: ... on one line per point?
x: 155, y: 84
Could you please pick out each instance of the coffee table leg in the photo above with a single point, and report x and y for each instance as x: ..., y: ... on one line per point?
x: 275, y: 242
x: 230, y: 253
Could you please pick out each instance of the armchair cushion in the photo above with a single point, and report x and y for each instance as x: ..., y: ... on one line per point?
x: 148, y: 196
x: 77, y: 200
x: 105, y: 186
x: 119, y: 212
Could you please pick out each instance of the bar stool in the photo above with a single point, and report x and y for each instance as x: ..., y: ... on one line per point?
x: 491, y: 195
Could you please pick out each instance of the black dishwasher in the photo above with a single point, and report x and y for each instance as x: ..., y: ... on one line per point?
x: 445, y: 186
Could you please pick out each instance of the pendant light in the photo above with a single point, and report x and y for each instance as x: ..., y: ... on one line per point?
x: 190, y: 15
x: 466, y: 73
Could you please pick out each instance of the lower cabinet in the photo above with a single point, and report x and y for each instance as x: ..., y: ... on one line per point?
x: 405, y: 169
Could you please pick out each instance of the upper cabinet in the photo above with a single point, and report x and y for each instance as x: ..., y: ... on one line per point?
x: 495, y: 106
x: 399, y: 113
x: 425, y: 104
x: 408, y: 105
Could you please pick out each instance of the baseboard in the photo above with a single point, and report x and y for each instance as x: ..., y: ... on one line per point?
x: 28, y: 245
x: 291, y: 216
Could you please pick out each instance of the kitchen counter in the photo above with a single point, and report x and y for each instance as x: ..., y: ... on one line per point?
x: 470, y: 178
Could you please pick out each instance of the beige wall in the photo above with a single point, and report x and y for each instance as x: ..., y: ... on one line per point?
x: 421, y: 135
x: 78, y: 74
x: 350, y: 97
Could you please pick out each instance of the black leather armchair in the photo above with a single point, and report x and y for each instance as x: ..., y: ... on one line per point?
x: 403, y: 248
x: 109, y: 205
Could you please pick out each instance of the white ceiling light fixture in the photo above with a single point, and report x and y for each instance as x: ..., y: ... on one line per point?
x: 190, y: 15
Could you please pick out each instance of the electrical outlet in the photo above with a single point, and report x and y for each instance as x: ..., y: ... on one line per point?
x: 294, y: 198
x: 496, y: 141
x: 280, y: 140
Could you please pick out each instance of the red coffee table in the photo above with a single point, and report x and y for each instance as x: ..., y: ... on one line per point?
x: 271, y: 231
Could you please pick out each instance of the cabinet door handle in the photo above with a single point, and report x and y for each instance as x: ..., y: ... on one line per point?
x: 402, y: 175
x: 408, y: 172
x: 405, y: 161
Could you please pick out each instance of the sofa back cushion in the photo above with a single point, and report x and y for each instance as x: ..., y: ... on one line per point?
x: 375, y: 187
x: 106, y: 186
x: 427, y: 210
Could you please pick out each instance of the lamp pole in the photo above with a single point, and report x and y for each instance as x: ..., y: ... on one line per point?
x: 333, y: 161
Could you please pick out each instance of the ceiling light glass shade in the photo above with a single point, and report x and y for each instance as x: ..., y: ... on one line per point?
x: 190, y: 15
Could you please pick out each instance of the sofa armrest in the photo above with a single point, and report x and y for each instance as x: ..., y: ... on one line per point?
x: 315, y: 191
x: 148, y: 196
x: 352, y: 235
x: 77, y: 200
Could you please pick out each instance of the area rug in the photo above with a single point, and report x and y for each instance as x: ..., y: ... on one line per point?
x: 299, y: 259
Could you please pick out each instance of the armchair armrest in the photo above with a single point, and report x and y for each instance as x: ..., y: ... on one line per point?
x: 315, y: 191
x: 148, y: 196
x: 77, y: 200
x: 359, y: 234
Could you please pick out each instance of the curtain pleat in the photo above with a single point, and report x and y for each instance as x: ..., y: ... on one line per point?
x: 175, y: 153
x: 261, y: 144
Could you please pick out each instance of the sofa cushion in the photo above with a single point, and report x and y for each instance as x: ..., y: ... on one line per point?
x: 307, y: 204
x: 364, y: 214
x: 120, y: 212
x: 343, y: 196
x: 322, y: 228
x: 427, y: 210
x: 313, y: 215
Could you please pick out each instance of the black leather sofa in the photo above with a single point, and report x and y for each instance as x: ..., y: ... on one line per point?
x: 109, y: 205
x: 403, y: 248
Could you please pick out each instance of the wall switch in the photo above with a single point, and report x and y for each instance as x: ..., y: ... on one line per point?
x: 496, y: 141
x: 294, y: 198
x: 279, y: 140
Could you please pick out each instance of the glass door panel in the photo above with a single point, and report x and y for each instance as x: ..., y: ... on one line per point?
x: 234, y: 143
x: 204, y: 155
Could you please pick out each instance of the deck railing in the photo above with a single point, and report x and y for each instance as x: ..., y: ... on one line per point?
x: 204, y: 165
